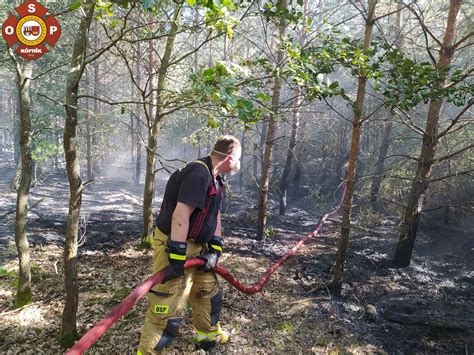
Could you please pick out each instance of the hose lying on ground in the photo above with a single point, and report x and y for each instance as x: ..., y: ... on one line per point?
x: 118, y: 311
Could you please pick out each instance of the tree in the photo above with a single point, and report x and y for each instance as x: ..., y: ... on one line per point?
x: 294, y: 127
x: 154, y: 126
x: 387, y: 131
x: 24, y: 74
x: 431, y: 137
x: 358, y: 108
x: 271, y: 128
x: 76, y: 185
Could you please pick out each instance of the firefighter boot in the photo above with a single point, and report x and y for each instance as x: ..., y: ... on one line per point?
x: 207, y: 341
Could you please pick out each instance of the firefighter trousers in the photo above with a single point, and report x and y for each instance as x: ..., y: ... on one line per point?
x: 168, y: 300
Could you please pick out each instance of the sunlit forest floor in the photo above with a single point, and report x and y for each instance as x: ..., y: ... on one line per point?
x: 425, y: 308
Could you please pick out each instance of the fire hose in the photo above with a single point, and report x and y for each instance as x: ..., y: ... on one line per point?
x: 119, y: 310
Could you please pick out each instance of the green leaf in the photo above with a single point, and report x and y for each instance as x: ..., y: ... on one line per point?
x: 262, y: 96
x: 209, y: 73
x: 212, y: 122
x: 75, y: 5
x: 191, y: 2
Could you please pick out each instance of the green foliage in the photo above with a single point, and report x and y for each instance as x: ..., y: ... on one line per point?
x: 410, y: 83
x: 315, y: 198
x: 274, y: 12
x: 217, y: 12
x: 75, y: 5
x: 146, y: 242
x: 4, y: 272
x: 218, y: 16
x: 37, y: 275
x: 11, y: 276
x: 347, y: 52
x: 22, y: 298
x: 287, y: 326
x: 44, y: 150
x: 67, y: 339
x: 269, y: 232
x: 219, y: 86
x: 311, y: 67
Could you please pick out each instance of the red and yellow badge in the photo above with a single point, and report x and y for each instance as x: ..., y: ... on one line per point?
x: 31, y: 30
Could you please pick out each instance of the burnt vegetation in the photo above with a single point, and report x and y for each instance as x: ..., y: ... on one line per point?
x: 363, y: 105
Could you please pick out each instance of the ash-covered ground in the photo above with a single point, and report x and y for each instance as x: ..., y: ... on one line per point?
x: 425, y: 308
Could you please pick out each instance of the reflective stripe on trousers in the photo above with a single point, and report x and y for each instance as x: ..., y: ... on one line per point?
x: 168, y: 300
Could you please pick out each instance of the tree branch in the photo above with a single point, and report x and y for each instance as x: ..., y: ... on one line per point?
x: 108, y: 102
x: 467, y: 172
x: 411, y: 124
x: 463, y: 39
x: 449, y: 156
x: 425, y: 31
x: 113, y: 42
x: 455, y: 119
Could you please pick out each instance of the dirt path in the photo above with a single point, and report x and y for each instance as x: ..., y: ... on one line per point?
x: 426, y: 308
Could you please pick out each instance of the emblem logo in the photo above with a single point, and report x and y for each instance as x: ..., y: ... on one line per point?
x: 31, y: 30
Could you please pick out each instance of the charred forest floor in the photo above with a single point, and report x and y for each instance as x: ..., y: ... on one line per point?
x: 425, y: 308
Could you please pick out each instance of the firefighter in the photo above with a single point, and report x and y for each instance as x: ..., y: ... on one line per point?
x: 189, y: 225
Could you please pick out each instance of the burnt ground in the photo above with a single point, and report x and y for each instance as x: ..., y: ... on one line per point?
x: 425, y: 308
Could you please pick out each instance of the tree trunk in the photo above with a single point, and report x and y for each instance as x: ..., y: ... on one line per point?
x: 379, y: 167
x: 387, y: 131
x: 57, y: 141
x: 241, y: 172
x: 409, y: 228
x: 88, y: 134
x: 138, y: 126
x: 138, y: 157
x: 270, y: 137
x: 23, y: 293
x: 133, y: 113
x: 351, y: 170
x: 76, y: 186
x: 290, y: 153
x: 299, y: 154
x: 154, y: 130
x: 97, y: 153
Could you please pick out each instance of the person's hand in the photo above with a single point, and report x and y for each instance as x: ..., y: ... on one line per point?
x: 176, y: 258
x: 214, y: 252
x: 210, y: 261
x: 174, y: 271
x: 216, y: 245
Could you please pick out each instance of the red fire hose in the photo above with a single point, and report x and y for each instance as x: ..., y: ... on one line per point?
x: 119, y: 310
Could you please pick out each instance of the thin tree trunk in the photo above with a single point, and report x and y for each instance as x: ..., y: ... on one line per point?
x: 23, y: 293
x: 96, y: 152
x: 270, y: 138
x: 16, y: 134
x: 76, y: 186
x: 299, y: 154
x: 379, y: 167
x: 133, y: 112
x: 409, y: 228
x: 88, y: 134
x: 154, y: 131
x: 138, y: 126
x: 133, y: 144
x: 351, y: 170
x: 387, y: 131
x: 241, y: 172
x: 258, y: 154
x: 57, y: 141
x: 298, y: 149
x: 290, y: 152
